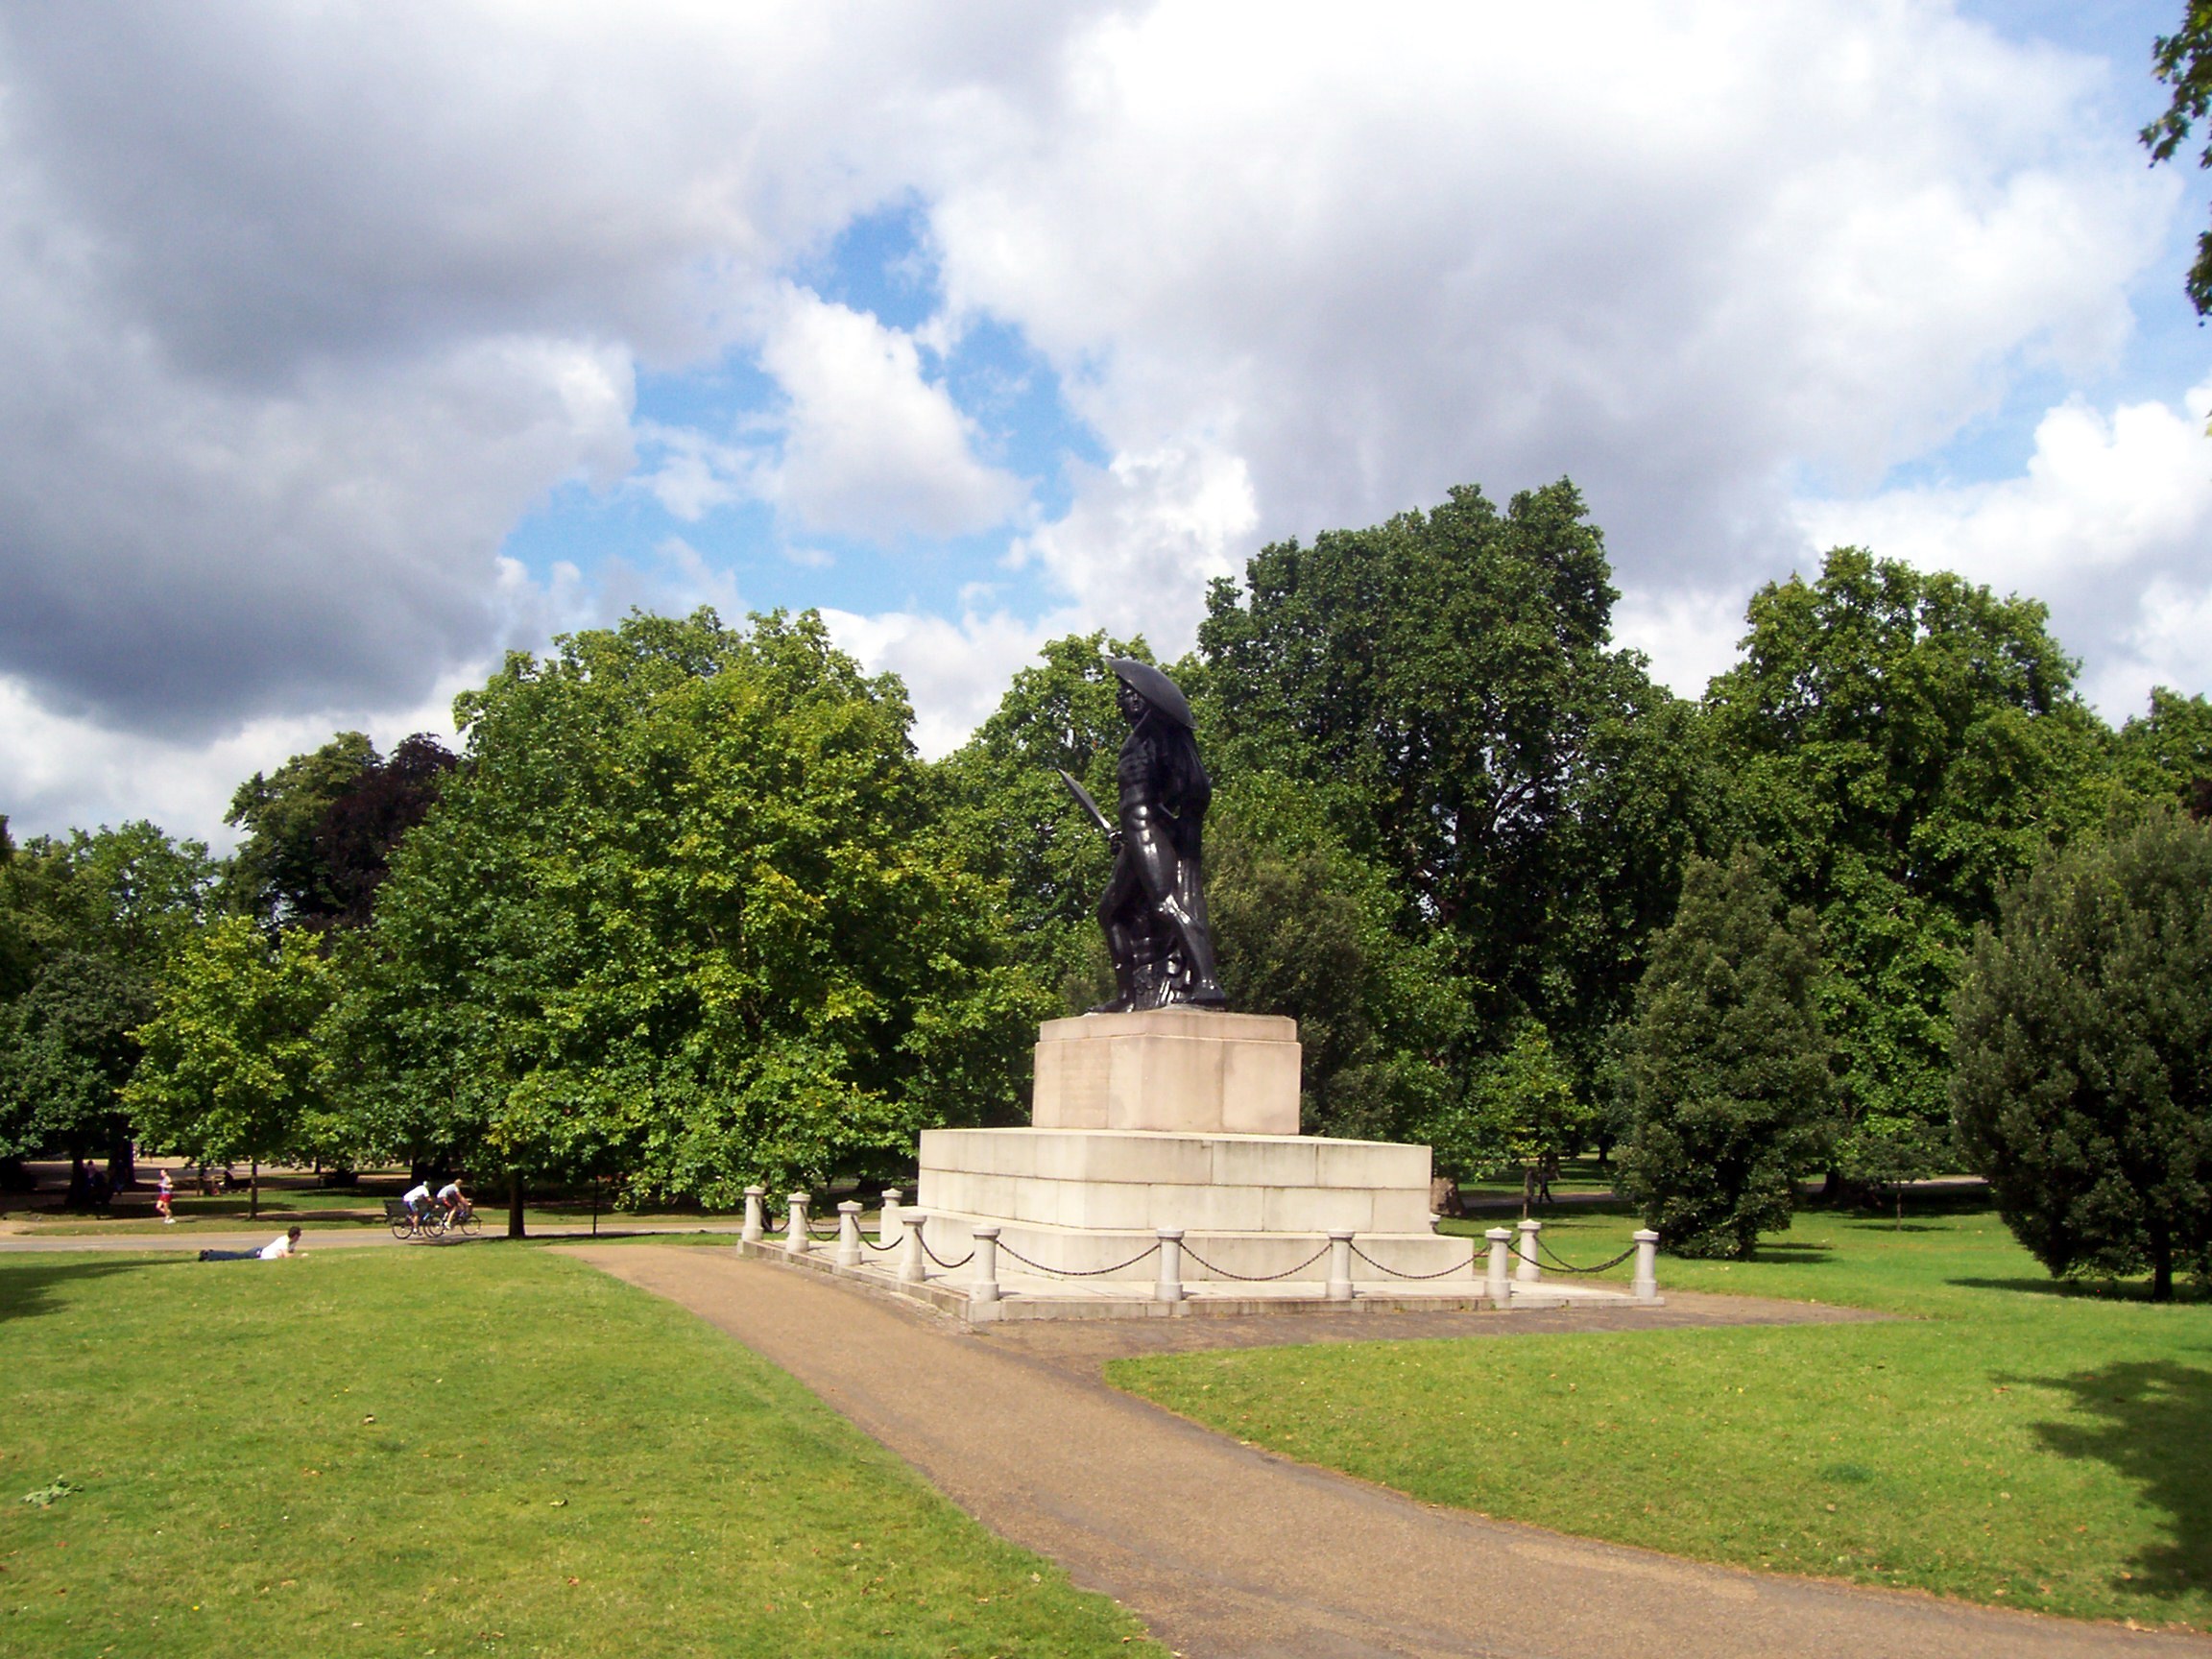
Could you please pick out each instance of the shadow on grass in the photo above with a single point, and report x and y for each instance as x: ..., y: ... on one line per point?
x: 28, y: 1285
x: 2151, y: 1424
x: 2084, y: 1290
x: 1795, y: 1255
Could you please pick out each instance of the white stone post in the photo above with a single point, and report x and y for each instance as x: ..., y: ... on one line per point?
x: 888, y: 1232
x: 986, y: 1286
x: 1646, y: 1283
x: 1339, y: 1266
x: 1526, y: 1269
x: 1498, y: 1288
x: 848, y: 1234
x: 795, y: 1239
x: 913, y: 1264
x: 751, y: 1231
x: 1170, y: 1286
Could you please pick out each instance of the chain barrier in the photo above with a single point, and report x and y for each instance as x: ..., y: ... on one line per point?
x: 1566, y: 1266
x: 1152, y: 1249
x: 949, y: 1266
x: 1256, y: 1278
x: 1468, y: 1266
x: 879, y: 1249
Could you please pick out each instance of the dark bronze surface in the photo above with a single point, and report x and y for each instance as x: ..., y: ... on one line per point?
x: 1154, y: 911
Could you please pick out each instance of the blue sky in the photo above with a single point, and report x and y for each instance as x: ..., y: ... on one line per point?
x: 975, y: 325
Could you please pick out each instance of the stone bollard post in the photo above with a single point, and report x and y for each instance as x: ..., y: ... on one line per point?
x: 795, y: 1239
x: 1339, y: 1266
x: 848, y: 1234
x: 1646, y: 1283
x: 913, y: 1264
x: 888, y: 1232
x: 1170, y: 1286
x: 751, y: 1231
x: 1499, y: 1287
x: 1526, y: 1269
x: 986, y: 1286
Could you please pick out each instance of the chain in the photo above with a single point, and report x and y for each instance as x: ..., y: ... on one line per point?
x: 1440, y: 1273
x: 1255, y: 1278
x: 1566, y: 1266
x: 1079, y: 1272
x: 879, y: 1249
x: 949, y: 1266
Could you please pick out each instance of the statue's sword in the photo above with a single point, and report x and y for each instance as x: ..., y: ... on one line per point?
x: 1083, y: 799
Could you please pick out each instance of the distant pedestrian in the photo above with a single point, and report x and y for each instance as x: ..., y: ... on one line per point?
x: 1547, y: 1166
x: 162, y: 1197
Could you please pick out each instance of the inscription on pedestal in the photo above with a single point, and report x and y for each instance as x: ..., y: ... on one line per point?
x: 1184, y: 1071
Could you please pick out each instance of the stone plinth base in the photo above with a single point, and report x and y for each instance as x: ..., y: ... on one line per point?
x: 1180, y: 1071
x: 1125, y: 1180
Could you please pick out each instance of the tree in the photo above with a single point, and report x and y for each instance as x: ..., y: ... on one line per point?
x: 91, y: 924
x: 685, y: 911
x: 321, y: 829
x: 278, y: 872
x: 2084, y: 1082
x: 1521, y: 1107
x: 1900, y: 744
x: 234, y: 1063
x: 1444, y: 686
x: 1725, y: 1069
x: 2166, y: 756
x: 2183, y: 61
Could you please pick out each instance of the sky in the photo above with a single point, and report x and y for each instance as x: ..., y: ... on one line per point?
x: 346, y: 347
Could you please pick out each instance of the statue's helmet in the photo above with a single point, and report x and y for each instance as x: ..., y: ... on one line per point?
x: 1158, y: 690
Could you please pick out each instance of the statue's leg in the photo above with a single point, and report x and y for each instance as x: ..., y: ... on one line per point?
x: 1120, y: 914
x: 1162, y: 871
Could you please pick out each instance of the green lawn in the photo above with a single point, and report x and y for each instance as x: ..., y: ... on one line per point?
x: 487, y: 1450
x: 2006, y: 1440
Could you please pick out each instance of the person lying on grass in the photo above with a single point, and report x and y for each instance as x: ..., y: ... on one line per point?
x: 285, y: 1243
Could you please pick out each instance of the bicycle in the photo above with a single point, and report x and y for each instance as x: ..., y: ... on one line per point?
x: 433, y: 1223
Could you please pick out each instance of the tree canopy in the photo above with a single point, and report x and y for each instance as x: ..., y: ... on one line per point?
x: 686, y: 912
x: 2083, y: 1083
x: 2183, y: 61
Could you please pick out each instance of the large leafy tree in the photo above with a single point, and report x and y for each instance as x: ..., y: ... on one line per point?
x: 1445, y: 686
x: 2165, y: 754
x: 1725, y: 1069
x: 1900, y: 744
x: 686, y: 912
x: 90, y: 924
x: 2183, y: 61
x: 234, y: 1066
x: 2083, y: 1086
x: 320, y: 830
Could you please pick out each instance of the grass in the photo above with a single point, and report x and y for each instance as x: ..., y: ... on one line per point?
x: 479, y: 1450
x: 2006, y: 1440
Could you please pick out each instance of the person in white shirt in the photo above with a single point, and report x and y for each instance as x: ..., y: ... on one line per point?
x: 285, y: 1245
x: 417, y: 1198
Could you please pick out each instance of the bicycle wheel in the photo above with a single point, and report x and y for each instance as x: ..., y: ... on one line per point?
x: 401, y: 1228
x: 469, y: 1226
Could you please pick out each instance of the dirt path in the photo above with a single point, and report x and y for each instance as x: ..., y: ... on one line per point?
x: 1225, y: 1551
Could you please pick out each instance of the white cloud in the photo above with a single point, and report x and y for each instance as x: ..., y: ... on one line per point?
x: 870, y: 448
x: 2108, y: 525
x: 955, y: 672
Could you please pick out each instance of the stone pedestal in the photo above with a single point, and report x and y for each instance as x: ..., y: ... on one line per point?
x: 1173, y: 1071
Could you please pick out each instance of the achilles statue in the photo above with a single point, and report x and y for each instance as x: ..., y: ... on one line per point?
x: 1154, y: 911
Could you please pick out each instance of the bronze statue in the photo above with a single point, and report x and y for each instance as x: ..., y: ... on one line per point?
x: 1154, y: 911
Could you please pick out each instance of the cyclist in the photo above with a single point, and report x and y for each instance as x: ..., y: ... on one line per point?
x: 417, y: 1198
x: 452, y: 1200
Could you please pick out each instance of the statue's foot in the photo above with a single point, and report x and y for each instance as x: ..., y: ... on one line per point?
x: 1120, y: 1005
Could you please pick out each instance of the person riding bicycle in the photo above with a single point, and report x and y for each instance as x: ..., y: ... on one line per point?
x: 417, y: 1198
x: 452, y: 1200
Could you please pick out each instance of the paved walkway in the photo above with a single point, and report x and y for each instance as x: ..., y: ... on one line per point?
x: 1229, y: 1553
x: 195, y: 1238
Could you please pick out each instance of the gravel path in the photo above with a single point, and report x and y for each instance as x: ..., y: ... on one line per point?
x: 1229, y: 1553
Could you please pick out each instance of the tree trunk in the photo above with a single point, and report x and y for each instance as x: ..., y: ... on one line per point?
x: 121, y: 1161
x: 253, y: 1191
x: 2161, y: 1268
x: 1527, y: 1189
x: 514, y: 1205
